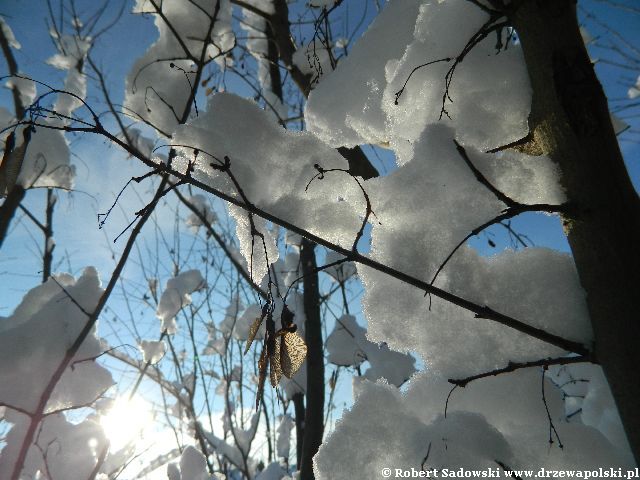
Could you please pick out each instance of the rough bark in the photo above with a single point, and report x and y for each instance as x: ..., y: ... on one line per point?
x: 570, y: 123
x: 314, y: 415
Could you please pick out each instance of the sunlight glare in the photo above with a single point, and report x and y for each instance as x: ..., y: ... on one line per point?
x: 126, y: 421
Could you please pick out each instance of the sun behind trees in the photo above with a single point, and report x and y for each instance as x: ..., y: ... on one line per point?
x: 296, y: 170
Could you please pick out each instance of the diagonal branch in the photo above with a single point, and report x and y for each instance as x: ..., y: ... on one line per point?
x: 241, y: 270
x: 13, y: 71
x: 504, y: 198
x: 92, y: 318
x: 480, y: 311
x: 513, y: 209
x: 513, y: 366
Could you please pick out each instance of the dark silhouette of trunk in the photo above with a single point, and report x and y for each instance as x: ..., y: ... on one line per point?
x: 47, y: 257
x: 13, y: 70
x: 16, y: 193
x: 276, y: 88
x: 570, y: 122
x: 298, y: 405
x: 8, y: 209
x: 267, y: 423
x: 314, y: 414
x: 309, y: 420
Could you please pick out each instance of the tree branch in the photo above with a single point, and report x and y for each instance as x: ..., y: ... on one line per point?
x: 513, y: 366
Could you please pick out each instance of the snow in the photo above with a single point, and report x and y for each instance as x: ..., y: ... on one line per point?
x: 287, y: 273
x: 345, y: 344
x: 485, y: 112
x: 501, y: 418
x: 351, y: 452
x: 588, y: 393
x: 634, y: 92
x: 202, y: 205
x: 255, y: 27
x: 231, y: 315
x: 67, y: 448
x: 348, y: 346
x: 33, y: 343
x: 193, y: 465
x: 351, y: 116
x: 283, y: 442
x: 274, y: 471
x: 35, y: 338
x: 159, y: 83
x: 25, y: 86
x: 425, y: 208
x: 72, y: 50
x: 395, y: 367
x: 243, y: 438
x: 177, y: 295
x: 451, y: 340
x: 8, y: 33
x: 293, y: 239
x: 172, y: 472
x: 295, y: 385
x: 241, y: 330
x: 257, y: 242
x: 138, y: 141
x: 76, y: 84
x: 313, y: 59
x: 152, y: 350
x: 230, y: 451
x: 273, y: 167
x: 215, y: 346
x: 47, y: 161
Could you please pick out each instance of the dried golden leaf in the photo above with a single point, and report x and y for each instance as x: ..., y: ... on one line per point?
x: 274, y: 359
x: 253, y: 331
x: 292, y: 353
x: 262, y: 375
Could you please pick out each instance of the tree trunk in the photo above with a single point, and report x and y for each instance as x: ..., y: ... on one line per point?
x: 49, y: 245
x: 314, y: 415
x: 570, y: 122
x: 298, y: 405
x: 8, y: 209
